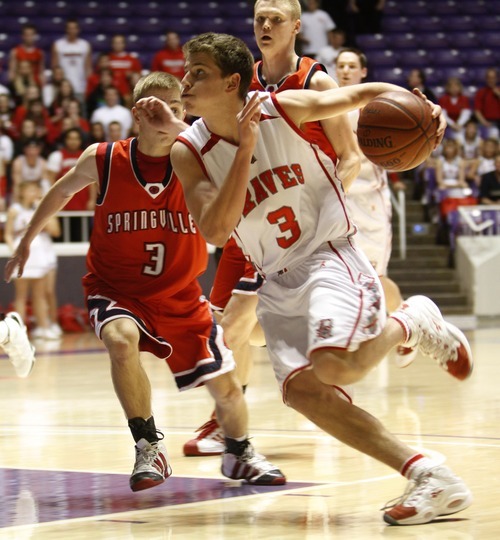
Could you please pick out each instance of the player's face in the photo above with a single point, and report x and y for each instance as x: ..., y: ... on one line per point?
x: 203, y: 84
x: 349, y: 70
x: 273, y: 25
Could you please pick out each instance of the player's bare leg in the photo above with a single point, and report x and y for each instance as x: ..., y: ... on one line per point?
x: 417, y: 323
x: 393, y: 298
x: 433, y: 490
x: 133, y: 389
x: 238, y: 322
x: 239, y: 460
x: 131, y: 383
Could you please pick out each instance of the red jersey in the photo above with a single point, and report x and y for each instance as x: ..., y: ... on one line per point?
x: 454, y: 106
x: 122, y: 65
x: 488, y: 103
x: 68, y: 161
x: 170, y: 62
x: 299, y: 79
x: 144, y: 241
x: 34, y: 56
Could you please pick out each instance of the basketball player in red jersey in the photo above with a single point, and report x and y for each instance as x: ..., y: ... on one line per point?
x: 28, y: 50
x: 142, y: 293
x: 233, y: 295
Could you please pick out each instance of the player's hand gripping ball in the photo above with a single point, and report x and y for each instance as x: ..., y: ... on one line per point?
x: 396, y: 131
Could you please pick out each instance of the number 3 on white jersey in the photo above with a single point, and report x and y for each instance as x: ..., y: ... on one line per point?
x: 157, y: 259
x: 285, y: 218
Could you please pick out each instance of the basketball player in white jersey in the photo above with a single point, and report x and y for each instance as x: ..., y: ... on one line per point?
x: 246, y: 169
x: 369, y: 201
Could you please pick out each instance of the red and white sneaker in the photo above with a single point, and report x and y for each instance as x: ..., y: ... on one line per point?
x: 151, y: 465
x: 435, y: 492
x: 426, y: 330
x: 404, y: 356
x: 209, y: 442
x: 252, y: 467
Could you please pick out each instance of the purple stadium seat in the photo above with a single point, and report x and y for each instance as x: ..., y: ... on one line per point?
x: 396, y: 23
x: 90, y: 25
x: 214, y: 24
x: 392, y: 75
x: 433, y: 40
x: 473, y: 7
x: 116, y: 25
x: 414, y: 58
x: 87, y: 8
x: 490, y: 39
x: 427, y: 23
x: 464, y: 23
x: 416, y: 8
x: 240, y: 9
x: 368, y: 42
x: 99, y: 42
x: 482, y: 57
x: 450, y: 7
x: 51, y: 24
x: 392, y: 7
x: 387, y: 58
x: 464, y: 40
x: 447, y: 57
x: 404, y: 41
x: 489, y: 23
x: 149, y: 26
x: 28, y: 8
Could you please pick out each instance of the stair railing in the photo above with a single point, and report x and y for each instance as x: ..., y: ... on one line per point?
x: 399, y: 204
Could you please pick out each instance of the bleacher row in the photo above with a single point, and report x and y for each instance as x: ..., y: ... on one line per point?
x: 444, y: 38
x: 143, y: 23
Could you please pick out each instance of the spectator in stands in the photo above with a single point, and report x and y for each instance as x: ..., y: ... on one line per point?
x: 6, y: 155
x: 21, y: 81
x: 41, y: 261
x: 29, y: 166
x: 486, y: 161
x: 27, y: 51
x: 470, y: 141
x: 487, y: 104
x: 416, y: 79
x: 96, y: 98
x: 6, y: 113
x: 19, y: 114
x: 73, y: 112
x: 366, y: 15
x: 123, y: 64
x: 112, y: 110
x: 316, y: 25
x: 170, y: 59
x: 489, y: 187
x: 96, y: 133
x: 74, y: 55
x: 44, y: 129
x: 450, y: 167
x: 114, y: 132
x: 50, y: 88
x: 64, y: 93
x: 456, y: 107
x: 328, y: 55
x: 58, y: 164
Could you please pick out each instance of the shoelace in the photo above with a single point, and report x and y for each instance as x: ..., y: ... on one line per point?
x: 439, y: 348
x: 148, y: 455
x: 413, y: 490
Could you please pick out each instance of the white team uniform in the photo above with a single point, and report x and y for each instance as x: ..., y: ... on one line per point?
x: 369, y: 204
x: 42, y: 256
x: 319, y: 291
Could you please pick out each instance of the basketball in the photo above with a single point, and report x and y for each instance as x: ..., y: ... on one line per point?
x: 396, y: 131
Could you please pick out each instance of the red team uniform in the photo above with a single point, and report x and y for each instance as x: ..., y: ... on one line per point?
x: 145, y: 255
x: 235, y: 274
x: 33, y: 55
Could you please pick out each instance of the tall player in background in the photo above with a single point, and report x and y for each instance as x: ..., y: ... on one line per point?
x: 233, y: 295
x: 369, y: 200
x: 142, y: 291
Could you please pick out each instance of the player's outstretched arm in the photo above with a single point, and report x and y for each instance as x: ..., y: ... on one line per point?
x: 80, y: 176
x: 217, y: 211
x: 339, y: 132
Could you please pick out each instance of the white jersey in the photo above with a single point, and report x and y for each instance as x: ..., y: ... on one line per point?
x: 42, y: 256
x: 451, y: 171
x: 294, y: 201
x: 71, y: 56
x: 369, y: 204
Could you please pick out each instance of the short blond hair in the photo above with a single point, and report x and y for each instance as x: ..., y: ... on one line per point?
x: 293, y: 5
x: 157, y: 80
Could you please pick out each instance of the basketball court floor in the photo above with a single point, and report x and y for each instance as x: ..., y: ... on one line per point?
x: 66, y: 454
